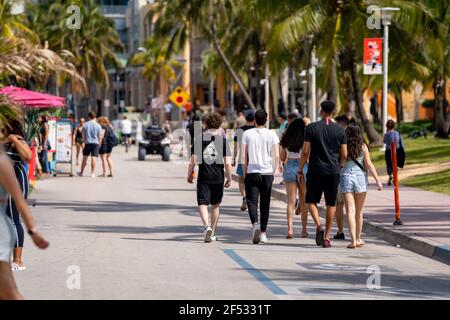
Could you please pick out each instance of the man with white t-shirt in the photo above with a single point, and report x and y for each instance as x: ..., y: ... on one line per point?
x: 260, y: 162
x: 126, y: 127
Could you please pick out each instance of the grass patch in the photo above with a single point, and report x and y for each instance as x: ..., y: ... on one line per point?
x: 419, y: 151
x: 437, y: 182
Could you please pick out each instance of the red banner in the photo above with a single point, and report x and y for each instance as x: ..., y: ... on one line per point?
x: 373, y: 56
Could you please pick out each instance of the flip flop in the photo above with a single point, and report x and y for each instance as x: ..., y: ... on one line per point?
x: 305, y: 235
x: 290, y: 236
x: 351, y: 246
x: 16, y: 267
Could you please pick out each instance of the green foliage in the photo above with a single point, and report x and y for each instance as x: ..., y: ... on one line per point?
x: 437, y: 182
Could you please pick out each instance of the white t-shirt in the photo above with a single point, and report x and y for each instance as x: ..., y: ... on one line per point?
x: 260, y: 143
x: 126, y: 126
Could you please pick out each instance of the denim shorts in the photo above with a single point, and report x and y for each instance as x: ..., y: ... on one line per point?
x: 291, y: 169
x: 353, y: 182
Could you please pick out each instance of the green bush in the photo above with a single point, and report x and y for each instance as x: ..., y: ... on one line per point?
x: 408, y: 127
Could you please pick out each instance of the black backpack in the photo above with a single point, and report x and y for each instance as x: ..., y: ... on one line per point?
x: 111, y: 138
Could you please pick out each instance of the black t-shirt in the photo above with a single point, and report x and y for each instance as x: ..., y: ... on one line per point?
x: 326, y: 138
x: 240, y: 131
x: 211, y: 150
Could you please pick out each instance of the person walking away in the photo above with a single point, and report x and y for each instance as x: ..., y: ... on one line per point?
x: 9, y: 187
x: 343, y: 121
x: 44, y: 142
x: 354, y: 182
x: 78, y: 138
x: 126, y: 128
x: 389, y: 137
x: 325, y: 147
x: 237, y: 152
x: 260, y: 162
x: 290, y: 150
x: 109, y: 141
x: 92, y: 139
x: 292, y: 117
x: 212, y: 153
x: 240, y: 121
x: 19, y: 152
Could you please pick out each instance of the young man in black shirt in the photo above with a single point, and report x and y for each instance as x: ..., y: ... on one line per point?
x: 212, y: 153
x: 250, y: 118
x: 326, y: 148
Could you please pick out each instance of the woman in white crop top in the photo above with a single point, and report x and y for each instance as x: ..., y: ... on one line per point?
x: 290, y: 150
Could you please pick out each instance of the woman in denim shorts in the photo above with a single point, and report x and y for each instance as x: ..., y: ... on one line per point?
x: 291, y: 147
x: 354, y: 182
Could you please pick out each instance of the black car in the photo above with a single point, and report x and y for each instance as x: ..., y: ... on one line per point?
x: 155, y: 142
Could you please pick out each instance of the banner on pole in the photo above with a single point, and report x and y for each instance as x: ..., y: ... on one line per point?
x: 373, y: 56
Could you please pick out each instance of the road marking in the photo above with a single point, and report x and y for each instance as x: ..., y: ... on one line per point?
x: 261, y: 277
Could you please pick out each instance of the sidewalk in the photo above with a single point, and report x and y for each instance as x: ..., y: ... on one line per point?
x: 425, y: 215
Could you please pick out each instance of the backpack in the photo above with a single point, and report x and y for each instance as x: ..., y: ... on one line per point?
x: 111, y: 138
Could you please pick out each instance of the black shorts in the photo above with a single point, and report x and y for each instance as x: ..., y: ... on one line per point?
x: 209, y: 194
x: 91, y: 150
x: 317, y: 184
x: 126, y: 135
x: 105, y: 150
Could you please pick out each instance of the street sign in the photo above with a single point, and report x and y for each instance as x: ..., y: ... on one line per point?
x: 179, y: 97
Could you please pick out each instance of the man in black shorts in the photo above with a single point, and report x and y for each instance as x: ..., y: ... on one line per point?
x: 211, y: 152
x: 326, y: 148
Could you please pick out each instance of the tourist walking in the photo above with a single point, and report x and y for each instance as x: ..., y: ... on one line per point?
x: 126, y: 128
x: 354, y: 182
x: 17, y: 149
x: 109, y: 141
x: 325, y: 147
x: 10, y: 186
x: 392, y: 136
x: 260, y: 162
x: 212, y: 153
x: 92, y: 139
x: 343, y: 121
x: 78, y: 139
x: 237, y: 153
x: 290, y: 150
x: 44, y: 145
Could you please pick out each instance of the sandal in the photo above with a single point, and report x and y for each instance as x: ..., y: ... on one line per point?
x: 110, y: 176
x: 16, y: 267
x: 290, y: 236
x: 351, y: 246
x: 361, y: 244
x: 305, y: 235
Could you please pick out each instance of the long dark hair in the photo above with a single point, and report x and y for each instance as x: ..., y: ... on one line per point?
x: 294, y: 136
x: 15, y: 126
x: 355, y: 141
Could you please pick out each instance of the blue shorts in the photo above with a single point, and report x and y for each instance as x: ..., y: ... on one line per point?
x: 239, y: 170
x: 353, y: 183
x: 291, y: 169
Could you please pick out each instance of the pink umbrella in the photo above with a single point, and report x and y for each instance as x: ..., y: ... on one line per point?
x: 33, y: 99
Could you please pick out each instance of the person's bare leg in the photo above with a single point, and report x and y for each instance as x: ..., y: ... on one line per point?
x: 350, y: 208
x: 359, y: 207
x: 314, y: 213
x: 340, y: 217
x: 8, y: 287
x: 291, y: 189
x: 78, y: 153
x: 331, y: 211
x: 110, y: 163
x: 215, y: 214
x: 304, y: 209
x: 103, y: 157
x: 204, y: 215
x: 93, y: 164
x: 17, y: 256
x: 83, y: 164
x: 242, y: 186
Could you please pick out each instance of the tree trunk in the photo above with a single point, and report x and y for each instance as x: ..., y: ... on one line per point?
x: 227, y: 63
x: 439, y: 107
x: 399, y: 106
x: 372, y: 134
x: 332, y: 84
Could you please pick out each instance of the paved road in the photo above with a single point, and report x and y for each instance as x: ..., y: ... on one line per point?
x: 138, y: 236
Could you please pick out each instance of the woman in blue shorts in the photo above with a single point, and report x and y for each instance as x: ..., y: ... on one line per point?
x: 354, y: 182
x: 290, y: 150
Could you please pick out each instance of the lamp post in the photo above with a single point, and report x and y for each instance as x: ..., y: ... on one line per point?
x: 386, y: 15
x: 266, y: 89
x: 312, y: 71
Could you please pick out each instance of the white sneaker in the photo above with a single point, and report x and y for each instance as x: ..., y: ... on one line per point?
x: 256, y: 234
x: 208, y: 234
x: 263, y: 237
x: 213, y: 238
x: 92, y: 175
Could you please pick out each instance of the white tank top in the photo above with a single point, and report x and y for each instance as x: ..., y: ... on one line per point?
x: 293, y: 155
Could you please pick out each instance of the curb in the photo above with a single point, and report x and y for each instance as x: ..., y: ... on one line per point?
x: 425, y: 247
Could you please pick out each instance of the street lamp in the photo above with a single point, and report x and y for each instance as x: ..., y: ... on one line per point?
x: 314, y: 64
x: 386, y: 15
x: 267, y: 89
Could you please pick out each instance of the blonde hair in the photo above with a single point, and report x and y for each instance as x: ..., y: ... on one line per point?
x: 103, y: 121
